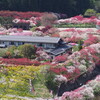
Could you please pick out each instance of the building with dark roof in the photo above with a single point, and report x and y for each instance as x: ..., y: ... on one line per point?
x: 45, y: 42
x: 52, y: 45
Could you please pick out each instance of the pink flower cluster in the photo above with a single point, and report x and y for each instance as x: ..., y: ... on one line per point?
x: 79, y: 20
x: 60, y: 58
x: 15, y: 31
x: 3, y: 31
x: 85, y: 58
x: 98, y: 22
x: 73, y: 39
x: 63, y: 73
x: 31, y: 21
x: 19, y: 61
x: 16, y: 14
x: 91, y: 40
x: 44, y: 29
x: 42, y: 55
x: 24, y: 33
x: 78, y: 33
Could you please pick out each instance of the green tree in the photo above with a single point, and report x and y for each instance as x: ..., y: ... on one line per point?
x: 27, y: 50
x: 11, y: 50
x: 90, y: 12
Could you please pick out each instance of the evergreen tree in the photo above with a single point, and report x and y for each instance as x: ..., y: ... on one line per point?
x: 83, y: 5
x: 69, y: 7
x: 3, y: 5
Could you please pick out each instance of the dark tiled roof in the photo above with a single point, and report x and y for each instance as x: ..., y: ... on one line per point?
x: 30, y: 39
x: 59, y: 50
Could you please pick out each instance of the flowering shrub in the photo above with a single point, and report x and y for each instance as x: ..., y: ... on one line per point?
x: 3, y: 33
x: 6, y: 18
x: 19, y: 31
x: 55, y: 35
x: 74, y: 39
x: 42, y: 55
x: 95, y: 84
x: 60, y: 78
x: 36, y: 63
x: 52, y: 31
x: 43, y: 29
x: 33, y: 21
x: 78, y: 19
x: 78, y: 33
x: 16, y: 14
x: 91, y: 40
x: 46, y: 31
x: 24, y: 33
x: 19, y: 61
x: 78, y: 22
x: 98, y: 23
x: 59, y: 59
x: 87, y: 56
x: 64, y: 74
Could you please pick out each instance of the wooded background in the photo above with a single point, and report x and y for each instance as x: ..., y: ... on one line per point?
x: 69, y: 7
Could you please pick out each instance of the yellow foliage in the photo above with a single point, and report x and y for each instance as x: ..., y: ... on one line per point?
x: 23, y: 72
x: 21, y: 79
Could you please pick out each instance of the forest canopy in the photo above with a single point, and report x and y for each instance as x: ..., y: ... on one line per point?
x: 69, y: 7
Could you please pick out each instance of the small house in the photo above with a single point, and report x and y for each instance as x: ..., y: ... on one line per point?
x: 52, y: 45
x: 45, y: 42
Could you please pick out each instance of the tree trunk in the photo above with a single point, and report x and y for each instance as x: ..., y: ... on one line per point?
x: 31, y: 87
